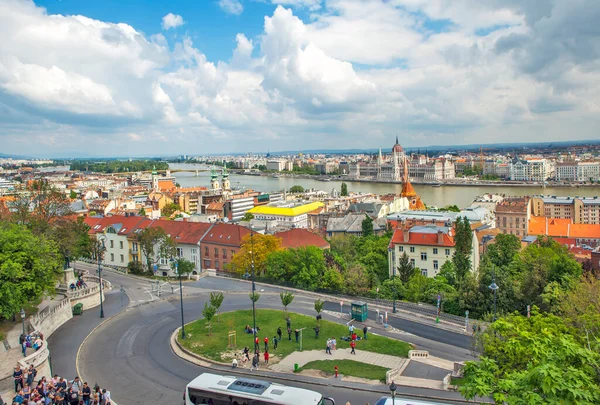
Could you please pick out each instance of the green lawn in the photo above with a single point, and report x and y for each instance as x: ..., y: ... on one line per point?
x: 215, y: 346
x: 348, y: 367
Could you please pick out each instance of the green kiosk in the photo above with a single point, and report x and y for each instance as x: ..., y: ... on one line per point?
x: 359, y: 311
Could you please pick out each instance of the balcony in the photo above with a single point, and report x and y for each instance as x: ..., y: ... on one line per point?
x: 134, y: 252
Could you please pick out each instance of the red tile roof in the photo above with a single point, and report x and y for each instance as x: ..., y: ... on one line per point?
x: 225, y: 234
x: 128, y: 224
x: 295, y: 238
x: 563, y: 228
x: 421, y: 239
x: 182, y: 232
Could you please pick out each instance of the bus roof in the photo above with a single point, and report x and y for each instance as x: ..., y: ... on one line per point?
x: 254, y: 388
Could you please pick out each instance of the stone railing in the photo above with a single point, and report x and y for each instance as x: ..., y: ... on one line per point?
x: 94, y: 279
x: 51, y: 318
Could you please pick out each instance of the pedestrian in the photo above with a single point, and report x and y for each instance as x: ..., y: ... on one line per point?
x: 86, y: 393
x: 106, y: 397
x: 32, y: 373
x: 365, y: 330
x: 289, y: 331
x: 26, y: 392
x: 478, y: 328
x: 354, y: 337
x: 76, y: 385
x: 266, y: 357
x: 266, y: 340
x: 234, y: 362
x: 317, y: 332
x: 334, y: 343
x: 279, y: 333
x: 474, y: 328
x: 275, y: 342
x: 353, y: 346
x: 73, y: 397
x: 256, y: 343
x: 328, y: 347
x: 97, y: 395
x: 246, y: 354
x: 288, y: 322
x: 254, y: 362
x: 18, y: 377
x: 62, y: 384
x: 297, y: 334
x: 24, y: 348
x: 350, y: 329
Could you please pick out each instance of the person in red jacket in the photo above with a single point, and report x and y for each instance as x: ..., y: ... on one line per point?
x: 256, y: 344
x: 353, y: 346
x: 266, y: 340
x: 354, y: 336
x: 266, y: 357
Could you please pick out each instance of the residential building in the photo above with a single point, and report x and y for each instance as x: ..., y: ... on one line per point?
x: 219, y: 244
x: 532, y: 169
x: 287, y: 214
x: 351, y: 224
x: 237, y: 205
x: 427, y: 247
x: 583, y: 234
x: 276, y: 165
x: 512, y: 215
x: 298, y: 237
x: 578, y: 171
x: 581, y: 210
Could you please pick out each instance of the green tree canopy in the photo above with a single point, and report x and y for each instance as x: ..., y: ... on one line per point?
x: 248, y: 216
x: 155, y: 241
x: 367, y: 226
x: 296, y: 189
x: 170, y: 209
x: 344, y: 191
x: 286, y: 299
x: 30, y: 266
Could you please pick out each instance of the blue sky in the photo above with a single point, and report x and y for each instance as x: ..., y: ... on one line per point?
x: 135, y: 77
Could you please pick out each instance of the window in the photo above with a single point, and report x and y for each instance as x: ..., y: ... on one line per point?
x: 412, y: 262
x: 224, y: 253
x: 412, y: 249
x: 401, y: 249
x: 121, y: 245
x: 216, y: 264
x: 206, y: 250
x: 424, y: 256
x: 435, y: 265
x: 435, y: 251
x: 179, y: 252
x: 424, y: 272
x: 122, y: 259
x: 112, y: 257
x: 112, y: 244
x: 216, y: 252
x: 447, y: 252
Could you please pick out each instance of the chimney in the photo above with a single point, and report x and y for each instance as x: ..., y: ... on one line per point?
x: 440, y: 236
x: 406, y: 233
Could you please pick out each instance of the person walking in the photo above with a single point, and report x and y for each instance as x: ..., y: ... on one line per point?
x: 106, y: 397
x: 334, y: 343
x: 24, y: 348
x: 365, y: 330
x: 288, y: 322
x: 317, y: 332
x: 246, y: 354
x: 353, y: 346
x: 297, y: 334
x: 254, y: 362
x: 266, y: 357
x: 328, y: 347
x: 256, y: 343
x: 32, y: 373
x: 289, y: 331
x: 234, y: 362
x: 266, y: 340
x: 76, y: 385
x: 18, y: 377
x: 279, y: 332
x: 275, y: 342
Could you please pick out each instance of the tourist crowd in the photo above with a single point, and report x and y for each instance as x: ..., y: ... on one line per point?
x: 56, y: 391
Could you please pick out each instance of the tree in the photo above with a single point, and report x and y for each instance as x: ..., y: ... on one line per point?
x: 248, y: 216
x: 255, y: 249
x: 72, y: 195
x: 216, y: 300
x: 448, y: 271
x: 142, y: 212
x: 170, y: 209
x: 405, y: 269
x: 182, y: 266
x: 30, y: 267
x: 534, y: 361
x: 296, y: 189
x: 71, y: 237
x: 580, y: 308
x: 153, y: 240
x: 41, y: 203
x: 286, y: 299
x: 254, y: 297
x: 462, y: 248
x: 502, y: 252
x: 344, y: 192
x: 367, y: 226
x: 319, y: 307
x: 208, y: 313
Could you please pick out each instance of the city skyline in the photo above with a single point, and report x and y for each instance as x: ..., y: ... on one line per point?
x: 116, y: 78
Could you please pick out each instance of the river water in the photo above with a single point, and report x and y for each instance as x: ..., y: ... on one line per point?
x: 437, y: 196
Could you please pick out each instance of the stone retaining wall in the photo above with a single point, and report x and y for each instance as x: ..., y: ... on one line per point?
x: 51, y: 318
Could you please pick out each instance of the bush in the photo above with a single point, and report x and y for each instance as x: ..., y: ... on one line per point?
x: 135, y: 268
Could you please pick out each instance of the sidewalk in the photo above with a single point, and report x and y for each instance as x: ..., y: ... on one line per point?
x: 286, y: 365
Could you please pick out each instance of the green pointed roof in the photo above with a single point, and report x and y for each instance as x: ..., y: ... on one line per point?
x: 154, y: 172
x: 224, y: 173
x: 213, y: 174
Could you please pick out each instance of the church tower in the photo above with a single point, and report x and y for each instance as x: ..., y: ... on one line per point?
x: 214, y: 183
x: 398, y: 159
x: 154, y: 179
x: 225, y: 183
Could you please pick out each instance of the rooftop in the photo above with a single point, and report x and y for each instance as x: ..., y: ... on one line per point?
x: 286, y: 210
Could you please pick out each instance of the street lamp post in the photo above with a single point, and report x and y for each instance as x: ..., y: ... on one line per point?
x: 494, y: 287
x: 180, y: 300
x: 393, y: 280
x: 393, y: 391
x: 101, y: 249
x: 23, y: 320
x: 253, y: 285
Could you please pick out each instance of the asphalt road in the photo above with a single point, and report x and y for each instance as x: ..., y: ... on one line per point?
x: 131, y: 355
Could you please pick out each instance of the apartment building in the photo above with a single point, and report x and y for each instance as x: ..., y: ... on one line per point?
x: 219, y: 244
x: 578, y: 171
x: 427, y: 247
x: 532, y: 169
x: 581, y: 210
x: 512, y: 215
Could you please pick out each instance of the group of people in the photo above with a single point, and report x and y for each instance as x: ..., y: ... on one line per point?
x: 78, y: 284
x: 31, y: 340
x: 56, y: 391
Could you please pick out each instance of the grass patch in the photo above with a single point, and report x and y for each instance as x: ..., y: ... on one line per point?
x: 348, y: 367
x: 215, y: 346
x: 458, y: 381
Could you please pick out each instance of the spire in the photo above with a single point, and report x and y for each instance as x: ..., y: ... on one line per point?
x: 213, y: 173
x: 224, y: 172
x: 397, y: 140
x: 154, y: 172
x: 380, y: 156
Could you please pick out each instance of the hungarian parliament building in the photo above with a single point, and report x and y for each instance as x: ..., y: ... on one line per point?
x: 392, y: 167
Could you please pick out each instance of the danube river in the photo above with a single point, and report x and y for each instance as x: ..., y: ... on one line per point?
x: 436, y: 196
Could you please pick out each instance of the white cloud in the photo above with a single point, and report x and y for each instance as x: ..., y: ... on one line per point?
x: 243, y: 51
x: 309, y: 4
x: 134, y: 137
x: 172, y: 21
x: 231, y: 6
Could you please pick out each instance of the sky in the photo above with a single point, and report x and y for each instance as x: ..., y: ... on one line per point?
x: 149, y: 77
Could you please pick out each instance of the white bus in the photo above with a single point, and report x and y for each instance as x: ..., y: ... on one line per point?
x: 213, y: 389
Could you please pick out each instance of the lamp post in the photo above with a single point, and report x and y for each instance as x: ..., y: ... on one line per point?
x: 494, y: 287
x: 393, y: 391
x: 180, y: 300
x: 101, y: 249
x: 23, y: 320
x: 393, y: 279
x: 253, y: 285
